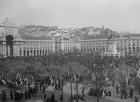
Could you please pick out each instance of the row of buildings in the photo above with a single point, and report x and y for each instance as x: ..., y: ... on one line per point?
x: 116, y: 46
x: 121, y: 45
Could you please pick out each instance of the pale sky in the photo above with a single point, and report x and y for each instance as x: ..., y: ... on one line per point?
x: 119, y: 15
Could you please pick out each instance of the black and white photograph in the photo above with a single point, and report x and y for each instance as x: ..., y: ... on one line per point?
x: 69, y: 50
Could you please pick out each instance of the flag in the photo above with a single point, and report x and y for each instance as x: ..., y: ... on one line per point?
x: 3, y: 81
x: 18, y: 78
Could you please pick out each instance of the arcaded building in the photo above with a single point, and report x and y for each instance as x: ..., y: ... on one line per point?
x: 12, y: 44
x: 103, y: 46
x: 129, y: 44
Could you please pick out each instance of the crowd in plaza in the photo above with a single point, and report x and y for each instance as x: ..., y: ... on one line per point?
x: 25, y: 93
x: 21, y: 89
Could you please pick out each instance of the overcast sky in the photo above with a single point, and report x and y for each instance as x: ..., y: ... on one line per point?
x: 119, y: 15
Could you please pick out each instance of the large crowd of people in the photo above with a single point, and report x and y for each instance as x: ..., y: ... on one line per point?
x: 90, y: 60
x: 25, y: 93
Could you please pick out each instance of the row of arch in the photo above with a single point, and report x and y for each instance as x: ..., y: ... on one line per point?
x: 94, y: 48
x: 34, y: 52
x: 132, y: 50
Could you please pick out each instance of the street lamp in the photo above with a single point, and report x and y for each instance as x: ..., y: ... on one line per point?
x: 70, y: 76
x: 70, y: 71
x: 62, y: 88
x: 77, y: 89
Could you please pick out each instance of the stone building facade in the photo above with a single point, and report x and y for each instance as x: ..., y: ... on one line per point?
x: 103, y: 46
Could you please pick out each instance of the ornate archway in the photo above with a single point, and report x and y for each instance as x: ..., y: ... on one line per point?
x: 9, y: 43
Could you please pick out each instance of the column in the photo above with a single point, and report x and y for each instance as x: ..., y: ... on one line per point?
x: 4, y: 49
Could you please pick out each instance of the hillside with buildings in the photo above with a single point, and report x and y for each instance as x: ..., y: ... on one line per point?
x: 33, y: 31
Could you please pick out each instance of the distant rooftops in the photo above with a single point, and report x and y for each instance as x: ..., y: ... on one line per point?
x: 101, y: 37
x: 37, y: 38
x: 130, y: 35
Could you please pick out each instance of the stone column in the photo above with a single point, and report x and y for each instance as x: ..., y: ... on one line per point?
x: 25, y: 52
x: 4, y: 49
x: 36, y: 52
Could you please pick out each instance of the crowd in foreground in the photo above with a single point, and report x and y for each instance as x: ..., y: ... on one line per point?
x: 27, y: 93
x: 33, y: 90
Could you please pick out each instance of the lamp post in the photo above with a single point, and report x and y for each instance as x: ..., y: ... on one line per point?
x: 62, y: 84
x: 70, y: 71
x: 77, y: 89
x: 71, y: 77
